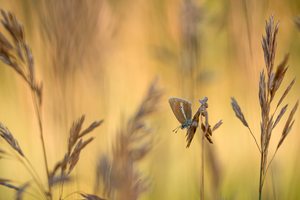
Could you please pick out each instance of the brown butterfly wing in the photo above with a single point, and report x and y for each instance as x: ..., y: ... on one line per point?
x: 187, y: 107
x: 176, y: 105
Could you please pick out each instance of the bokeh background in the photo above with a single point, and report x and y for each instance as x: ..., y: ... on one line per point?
x: 98, y: 57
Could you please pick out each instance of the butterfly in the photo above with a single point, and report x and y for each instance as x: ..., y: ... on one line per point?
x: 182, y: 110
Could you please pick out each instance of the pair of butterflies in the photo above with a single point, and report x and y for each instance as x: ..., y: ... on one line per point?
x: 182, y: 110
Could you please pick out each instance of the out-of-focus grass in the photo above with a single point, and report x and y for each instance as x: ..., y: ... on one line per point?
x: 144, y: 43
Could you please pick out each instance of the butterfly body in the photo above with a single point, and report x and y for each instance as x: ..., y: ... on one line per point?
x: 186, y: 124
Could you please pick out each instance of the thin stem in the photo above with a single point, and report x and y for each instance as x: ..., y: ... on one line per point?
x: 35, y: 178
x: 30, y: 171
x: 269, y: 165
x: 32, y: 195
x: 38, y: 115
x: 275, y: 110
x: 261, y: 176
x: 61, y: 191
x: 202, y: 168
x: 202, y: 161
x: 33, y: 170
x: 254, y: 139
x: 29, y: 193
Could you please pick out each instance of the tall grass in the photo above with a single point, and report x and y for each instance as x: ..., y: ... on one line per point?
x: 119, y: 172
x: 269, y: 83
x: 16, y: 54
x: 192, y: 19
x: 206, y: 132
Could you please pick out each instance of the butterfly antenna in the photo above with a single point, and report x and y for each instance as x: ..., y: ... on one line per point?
x: 176, y: 129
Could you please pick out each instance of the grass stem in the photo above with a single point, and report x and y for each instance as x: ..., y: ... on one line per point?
x: 39, y: 119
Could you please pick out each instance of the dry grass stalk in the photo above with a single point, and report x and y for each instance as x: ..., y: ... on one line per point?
x: 206, y: 133
x: 59, y: 179
x: 7, y: 183
x: 192, y: 17
x: 13, y: 143
x: 239, y: 114
x: 120, y: 175
x: 269, y: 83
x: 18, y: 56
x: 201, y: 114
x: 9, y: 138
x: 90, y: 197
x: 17, y: 53
x: 76, y: 144
x: 20, y: 190
x: 183, y: 112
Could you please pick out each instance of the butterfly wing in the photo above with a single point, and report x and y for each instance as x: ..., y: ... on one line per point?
x: 182, y: 109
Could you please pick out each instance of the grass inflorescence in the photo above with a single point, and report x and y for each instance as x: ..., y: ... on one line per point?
x: 119, y: 174
x: 269, y: 82
x: 16, y: 53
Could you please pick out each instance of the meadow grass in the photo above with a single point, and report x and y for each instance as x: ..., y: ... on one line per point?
x: 16, y: 54
x: 269, y: 83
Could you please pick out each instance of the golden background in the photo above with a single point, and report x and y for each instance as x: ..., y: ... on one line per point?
x: 101, y: 59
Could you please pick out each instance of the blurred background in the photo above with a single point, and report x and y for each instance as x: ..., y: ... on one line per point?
x: 98, y: 58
